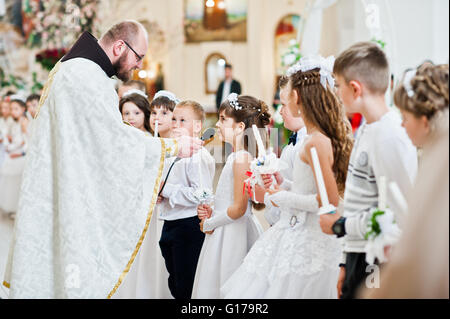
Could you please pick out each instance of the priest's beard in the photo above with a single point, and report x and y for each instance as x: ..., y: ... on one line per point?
x: 121, y: 71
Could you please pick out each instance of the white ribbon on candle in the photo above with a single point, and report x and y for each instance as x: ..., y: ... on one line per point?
x: 326, y: 207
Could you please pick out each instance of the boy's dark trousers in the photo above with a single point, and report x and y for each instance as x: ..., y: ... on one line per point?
x: 356, y: 272
x: 181, y: 242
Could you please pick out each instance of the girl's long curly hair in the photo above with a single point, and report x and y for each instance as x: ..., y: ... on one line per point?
x: 322, y: 108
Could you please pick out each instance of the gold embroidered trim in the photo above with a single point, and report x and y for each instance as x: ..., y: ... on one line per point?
x: 6, y: 284
x: 147, y: 223
x: 47, y: 86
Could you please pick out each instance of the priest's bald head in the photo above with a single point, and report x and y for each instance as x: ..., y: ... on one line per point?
x: 125, y: 44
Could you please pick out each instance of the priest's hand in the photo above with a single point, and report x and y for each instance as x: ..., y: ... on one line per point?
x: 187, y: 146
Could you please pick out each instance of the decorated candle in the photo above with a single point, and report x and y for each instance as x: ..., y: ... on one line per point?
x: 261, y: 148
x: 319, y: 177
x: 398, y: 197
x: 382, y: 193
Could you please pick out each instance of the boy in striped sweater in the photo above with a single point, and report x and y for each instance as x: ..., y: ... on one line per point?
x: 382, y: 148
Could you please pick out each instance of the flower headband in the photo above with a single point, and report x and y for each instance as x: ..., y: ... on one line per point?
x: 168, y: 95
x: 407, y: 82
x: 233, y: 99
x: 313, y: 62
x: 135, y: 91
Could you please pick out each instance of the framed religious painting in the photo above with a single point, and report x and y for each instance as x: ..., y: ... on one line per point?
x: 215, y: 20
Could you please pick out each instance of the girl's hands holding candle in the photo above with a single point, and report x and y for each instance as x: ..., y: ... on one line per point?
x: 204, y: 211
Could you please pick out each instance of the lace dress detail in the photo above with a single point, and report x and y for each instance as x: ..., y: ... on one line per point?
x: 289, y: 261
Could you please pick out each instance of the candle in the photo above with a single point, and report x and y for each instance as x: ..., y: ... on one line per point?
x: 261, y: 148
x: 398, y: 197
x: 382, y: 193
x: 200, y: 168
x: 156, y: 128
x: 319, y: 177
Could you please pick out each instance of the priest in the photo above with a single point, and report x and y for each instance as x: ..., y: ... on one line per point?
x: 90, y: 182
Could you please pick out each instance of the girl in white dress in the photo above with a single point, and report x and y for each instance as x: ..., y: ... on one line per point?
x: 230, y: 226
x: 13, y: 164
x: 294, y: 258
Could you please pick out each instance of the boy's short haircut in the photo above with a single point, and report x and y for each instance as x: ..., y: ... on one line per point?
x: 33, y: 97
x: 196, y: 107
x: 367, y: 63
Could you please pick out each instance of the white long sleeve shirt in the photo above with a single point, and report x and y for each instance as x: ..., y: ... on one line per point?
x: 381, y: 149
x: 186, y: 177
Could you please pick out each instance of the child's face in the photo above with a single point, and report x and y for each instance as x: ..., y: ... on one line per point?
x: 32, y: 107
x: 292, y: 123
x: 418, y: 128
x: 5, y: 109
x: 226, y: 128
x: 347, y: 95
x: 17, y: 111
x: 289, y: 99
x: 185, y: 122
x: 164, y: 118
x: 133, y: 115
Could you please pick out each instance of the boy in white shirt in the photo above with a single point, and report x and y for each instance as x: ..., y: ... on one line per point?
x: 181, y: 239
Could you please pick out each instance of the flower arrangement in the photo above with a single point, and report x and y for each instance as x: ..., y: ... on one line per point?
x: 382, y: 232
x: 204, y: 195
x: 292, y: 55
x: 49, y: 57
x: 57, y: 24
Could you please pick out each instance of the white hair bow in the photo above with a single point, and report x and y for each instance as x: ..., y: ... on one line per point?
x: 407, y: 82
x: 309, y: 63
x: 135, y: 91
x: 168, y: 95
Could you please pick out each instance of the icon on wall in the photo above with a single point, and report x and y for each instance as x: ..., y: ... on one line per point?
x: 215, y: 20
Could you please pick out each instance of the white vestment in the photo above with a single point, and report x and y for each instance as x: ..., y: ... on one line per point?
x: 89, y: 188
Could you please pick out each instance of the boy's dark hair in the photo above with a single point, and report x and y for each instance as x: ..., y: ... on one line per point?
x: 33, y: 97
x: 228, y: 66
x: 163, y: 102
x: 367, y: 63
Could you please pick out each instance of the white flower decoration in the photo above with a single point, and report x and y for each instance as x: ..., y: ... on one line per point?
x: 233, y: 99
x: 407, y: 82
x: 316, y: 62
